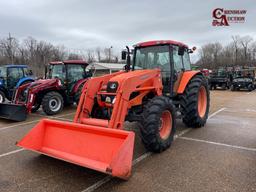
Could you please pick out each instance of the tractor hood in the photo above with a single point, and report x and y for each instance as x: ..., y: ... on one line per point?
x: 132, y: 77
x: 143, y: 74
x: 44, y: 82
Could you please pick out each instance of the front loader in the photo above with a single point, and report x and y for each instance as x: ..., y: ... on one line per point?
x: 155, y: 90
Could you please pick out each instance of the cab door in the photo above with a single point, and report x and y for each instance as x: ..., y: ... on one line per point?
x: 181, y: 63
x: 75, y: 72
x: 14, y: 74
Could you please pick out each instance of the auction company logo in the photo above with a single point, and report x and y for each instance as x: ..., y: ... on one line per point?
x: 223, y: 17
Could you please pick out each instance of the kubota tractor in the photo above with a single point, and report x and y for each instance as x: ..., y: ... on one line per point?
x: 62, y: 86
x: 157, y: 88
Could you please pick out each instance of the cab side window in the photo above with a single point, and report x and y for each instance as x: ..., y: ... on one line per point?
x: 15, y: 73
x: 177, y: 59
x: 186, y: 61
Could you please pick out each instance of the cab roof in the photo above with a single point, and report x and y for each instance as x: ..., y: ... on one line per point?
x: 160, y: 42
x: 14, y: 65
x: 80, y: 62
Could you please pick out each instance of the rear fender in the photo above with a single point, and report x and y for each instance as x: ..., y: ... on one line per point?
x: 77, y: 85
x: 24, y: 79
x: 5, y: 91
x: 186, y: 77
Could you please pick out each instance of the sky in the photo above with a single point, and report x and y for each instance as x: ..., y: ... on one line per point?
x: 87, y: 24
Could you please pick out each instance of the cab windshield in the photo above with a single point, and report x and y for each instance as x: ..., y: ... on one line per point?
x: 3, y: 72
x: 152, y: 57
x: 57, y: 71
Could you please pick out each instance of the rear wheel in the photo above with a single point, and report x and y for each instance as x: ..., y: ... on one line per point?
x: 195, y: 102
x: 158, y: 124
x: 2, y: 97
x: 52, y: 103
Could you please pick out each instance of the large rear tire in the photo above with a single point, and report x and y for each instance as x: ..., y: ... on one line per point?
x: 52, y: 103
x: 158, y: 124
x: 195, y: 102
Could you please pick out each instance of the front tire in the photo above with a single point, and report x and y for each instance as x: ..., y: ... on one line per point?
x: 35, y: 107
x: 52, y: 103
x: 2, y: 97
x: 250, y: 87
x: 158, y: 124
x: 195, y: 102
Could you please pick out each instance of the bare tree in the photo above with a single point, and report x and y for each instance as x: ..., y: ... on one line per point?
x: 90, y: 57
x: 236, y: 40
x: 241, y: 51
x: 245, y: 41
x: 9, y: 48
x: 98, y: 53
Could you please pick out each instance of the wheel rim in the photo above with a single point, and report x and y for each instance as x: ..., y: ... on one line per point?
x: 1, y: 98
x: 165, y: 127
x: 55, y: 104
x: 202, y: 101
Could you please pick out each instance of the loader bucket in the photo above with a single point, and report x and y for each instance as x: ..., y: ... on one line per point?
x: 13, y: 112
x: 103, y: 149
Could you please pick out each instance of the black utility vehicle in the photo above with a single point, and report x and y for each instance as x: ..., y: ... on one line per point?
x: 243, y: 79
x: 220, y: 79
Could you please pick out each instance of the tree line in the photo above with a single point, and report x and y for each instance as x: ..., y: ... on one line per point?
x: 36, y: 53
x: 240, y: 51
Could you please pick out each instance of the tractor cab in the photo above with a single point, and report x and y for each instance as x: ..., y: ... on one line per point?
x: 171, y: 57
x: 68, y: 72
x: 11, y: 77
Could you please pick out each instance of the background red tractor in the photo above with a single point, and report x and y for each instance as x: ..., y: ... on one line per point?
x: 62, y: 86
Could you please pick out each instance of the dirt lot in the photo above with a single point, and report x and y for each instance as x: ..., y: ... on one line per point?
x: 219, y: 157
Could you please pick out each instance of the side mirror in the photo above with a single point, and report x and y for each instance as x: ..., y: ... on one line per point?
x: 124, y: 54
x: 89, y: 73
x: 192, y: 50
x: 181, y: 51
x: 30, y: 72
x: 127, y: 67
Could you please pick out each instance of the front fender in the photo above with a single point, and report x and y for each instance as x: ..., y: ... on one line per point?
x: 187, y: 75
x: 77, y: 85
x: 22, y: 80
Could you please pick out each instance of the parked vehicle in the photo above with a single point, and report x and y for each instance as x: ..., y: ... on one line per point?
x: 220, y: 79
x: 11, y: 77
x: 158, y: 85
x: 62, y: 86
x: 243, y: 79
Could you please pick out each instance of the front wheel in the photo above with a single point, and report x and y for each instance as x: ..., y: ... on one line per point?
x: 224, y: 86
x: 52, y: 103
x: 195, y: 102
x: 2, y: 97
x: 35, y: 107
x: 158, y: 124
x: 250, y: 87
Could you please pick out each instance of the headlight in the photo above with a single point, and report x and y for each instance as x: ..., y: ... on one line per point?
x: 59, y: 82
x: 112, y: 87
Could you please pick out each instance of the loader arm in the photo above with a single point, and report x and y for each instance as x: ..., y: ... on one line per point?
x: 141, y: 81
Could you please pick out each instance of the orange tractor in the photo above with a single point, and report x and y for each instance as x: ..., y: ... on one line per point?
x: 158, y: 87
